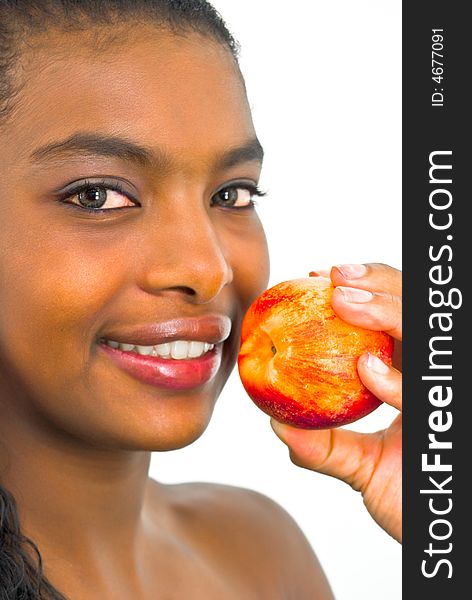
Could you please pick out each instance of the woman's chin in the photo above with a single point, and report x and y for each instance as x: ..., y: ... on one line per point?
x: 170, y: 425
x: 113, y: 418
x: 170, y: 434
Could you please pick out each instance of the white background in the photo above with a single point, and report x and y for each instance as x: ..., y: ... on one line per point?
x: 324, y: 81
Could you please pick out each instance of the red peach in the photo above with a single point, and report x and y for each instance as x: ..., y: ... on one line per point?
x: 298, y: 359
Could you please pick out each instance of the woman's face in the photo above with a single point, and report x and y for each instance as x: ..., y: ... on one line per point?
x: 163, y: 245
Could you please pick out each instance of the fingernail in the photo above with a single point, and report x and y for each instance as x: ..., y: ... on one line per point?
x: 355, y: 295
x: 352, y: 271
x: 375, y: 364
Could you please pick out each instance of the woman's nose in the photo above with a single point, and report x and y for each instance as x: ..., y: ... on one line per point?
x: 187, y: 254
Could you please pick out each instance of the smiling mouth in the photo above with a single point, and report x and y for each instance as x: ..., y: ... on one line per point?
x: 177, y: 365
x: 177, y: 349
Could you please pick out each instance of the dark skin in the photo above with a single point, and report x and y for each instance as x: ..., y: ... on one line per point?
x: 76, y: 431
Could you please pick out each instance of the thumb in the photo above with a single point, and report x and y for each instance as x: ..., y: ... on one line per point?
x: 340, y: 453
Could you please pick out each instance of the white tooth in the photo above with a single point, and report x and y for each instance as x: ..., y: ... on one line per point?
x: 161, y: 350
x: 145, y: 350
x: 179, y: 349
x: 126, y: 347
x: 196, y: 349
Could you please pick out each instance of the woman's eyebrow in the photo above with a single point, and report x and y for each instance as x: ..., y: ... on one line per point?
x: 250, y: 151
x: 93, y: 144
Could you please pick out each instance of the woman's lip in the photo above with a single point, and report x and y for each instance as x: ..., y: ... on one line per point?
x: 212, y: 329
x: 168, y: 373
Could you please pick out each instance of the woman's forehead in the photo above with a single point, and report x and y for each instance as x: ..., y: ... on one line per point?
x: 183, y: 91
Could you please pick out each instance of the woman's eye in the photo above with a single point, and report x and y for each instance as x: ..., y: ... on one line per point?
x: 99, y: 197
x: 236, y: 196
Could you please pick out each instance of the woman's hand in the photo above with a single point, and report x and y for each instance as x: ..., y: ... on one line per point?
x: 368, y: 462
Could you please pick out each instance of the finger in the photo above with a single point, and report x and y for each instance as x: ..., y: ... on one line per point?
x: 379, y: 311
x: 383, y: 381
x: 375, y: 277
x: 340, y: 453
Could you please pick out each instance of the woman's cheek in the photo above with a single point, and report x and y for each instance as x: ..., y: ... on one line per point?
x: 250, y: 262
x: 53, y: 304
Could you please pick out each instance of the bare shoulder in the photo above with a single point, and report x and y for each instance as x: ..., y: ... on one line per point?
x: 251, y: 536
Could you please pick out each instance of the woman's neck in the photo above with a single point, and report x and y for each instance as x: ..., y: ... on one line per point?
x: 76, y: 501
